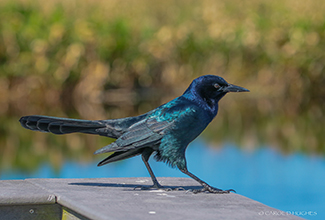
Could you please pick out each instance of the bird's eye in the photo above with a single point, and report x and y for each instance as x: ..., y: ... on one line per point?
x: 217, y: 86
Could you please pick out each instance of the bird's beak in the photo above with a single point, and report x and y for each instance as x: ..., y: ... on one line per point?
x: 234, y: 88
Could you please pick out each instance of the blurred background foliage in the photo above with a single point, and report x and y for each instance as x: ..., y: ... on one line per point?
x: 104, y: 59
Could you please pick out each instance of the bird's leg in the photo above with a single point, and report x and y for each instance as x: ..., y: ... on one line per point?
x: 206, y: 187
x: 145, y: 157
x: 156, y: 185
x: 152, y: 175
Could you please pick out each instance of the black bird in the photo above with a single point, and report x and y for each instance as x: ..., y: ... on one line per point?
x: 165, y: 131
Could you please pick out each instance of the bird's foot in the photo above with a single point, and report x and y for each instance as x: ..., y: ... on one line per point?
x: 155, y: 186
x: 158, y: 186
x: 174, y: 189
x: 210, y: 189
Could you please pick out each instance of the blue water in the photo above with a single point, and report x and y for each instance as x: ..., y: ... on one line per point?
x: 293, y: 183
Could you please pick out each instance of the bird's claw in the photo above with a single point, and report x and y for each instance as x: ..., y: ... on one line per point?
x: 148, y: 187
x: 179, y: 189
x: 210, y: 189
x: 153, y: 187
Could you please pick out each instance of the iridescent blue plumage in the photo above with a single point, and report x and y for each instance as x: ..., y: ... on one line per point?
x: 165, y: 131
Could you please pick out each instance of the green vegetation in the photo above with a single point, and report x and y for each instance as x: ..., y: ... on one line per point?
x: 107, y: 59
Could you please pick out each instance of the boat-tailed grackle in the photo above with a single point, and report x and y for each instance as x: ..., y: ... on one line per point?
x: 165, y: 131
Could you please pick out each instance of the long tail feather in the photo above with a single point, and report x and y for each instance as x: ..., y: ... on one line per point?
x: 61, y: 125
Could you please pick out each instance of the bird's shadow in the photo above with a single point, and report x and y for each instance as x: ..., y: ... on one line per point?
x: 133, y: 186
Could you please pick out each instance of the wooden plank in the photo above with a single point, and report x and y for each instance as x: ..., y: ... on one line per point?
x: 13, y: 192
x: 115, y: 198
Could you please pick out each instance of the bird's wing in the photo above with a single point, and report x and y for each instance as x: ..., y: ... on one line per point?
x: 146, y: 132
x: 176, y: 116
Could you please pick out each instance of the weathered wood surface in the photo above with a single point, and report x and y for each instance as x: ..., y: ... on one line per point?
x: 115, y: 198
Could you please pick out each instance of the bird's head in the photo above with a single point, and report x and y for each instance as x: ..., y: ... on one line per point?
x: 210, y: 89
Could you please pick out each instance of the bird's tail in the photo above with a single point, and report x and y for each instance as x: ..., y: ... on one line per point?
x: 63, y: 125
